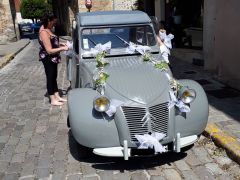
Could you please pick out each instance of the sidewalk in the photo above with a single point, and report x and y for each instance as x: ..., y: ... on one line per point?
x: 10, y: 50
x: 224, y: 103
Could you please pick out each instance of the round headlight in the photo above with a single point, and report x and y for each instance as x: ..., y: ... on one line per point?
x: 187, y: 95
x: 101, y: 103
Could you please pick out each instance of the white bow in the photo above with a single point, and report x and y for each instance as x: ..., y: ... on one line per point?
x: 167, y: 45
x: 99, y: 48
x: 175, y: 102
x: 166, y: 39
x: 151, y: 141
x: 114, y: 103
x: 139, y: 48
x: 103, y: 47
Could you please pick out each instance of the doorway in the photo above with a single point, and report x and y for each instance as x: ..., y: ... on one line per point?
x: 184, y: 18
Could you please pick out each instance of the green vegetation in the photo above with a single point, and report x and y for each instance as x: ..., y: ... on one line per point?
x: 34, y: 9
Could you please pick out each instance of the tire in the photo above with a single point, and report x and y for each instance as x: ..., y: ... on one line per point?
x: 68, y: 122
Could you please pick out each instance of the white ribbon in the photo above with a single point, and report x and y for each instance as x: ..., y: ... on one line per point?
x: 103, y: 47
x: 165, y: 52
x: 168, y: 76
x: 70, y: 47
x: 114, y: 103
x: 166, y: 46
x: 166, y: 39
x: 151, y: 141
x: 175, y: 102
x: 99, y: 48
x: 139, y: 48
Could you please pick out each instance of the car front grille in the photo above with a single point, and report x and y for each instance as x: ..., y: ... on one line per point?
x: 134, y: 117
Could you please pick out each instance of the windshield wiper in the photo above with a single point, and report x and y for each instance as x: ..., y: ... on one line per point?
x: 92, y: 41
x: 124, y: 41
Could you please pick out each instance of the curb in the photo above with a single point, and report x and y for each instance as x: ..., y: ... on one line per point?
x: 7, y: 58
x: 224, y: 140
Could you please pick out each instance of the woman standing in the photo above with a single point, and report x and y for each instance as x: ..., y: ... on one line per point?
x: 49, y: 54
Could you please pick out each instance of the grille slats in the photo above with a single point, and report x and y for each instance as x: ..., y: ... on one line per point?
x: 134, y: 115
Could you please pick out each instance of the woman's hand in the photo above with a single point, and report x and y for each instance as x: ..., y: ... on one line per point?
x: 62, y: 44
x: 64, y: 47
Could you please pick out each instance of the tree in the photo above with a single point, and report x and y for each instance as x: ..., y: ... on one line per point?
x: 34, y: 9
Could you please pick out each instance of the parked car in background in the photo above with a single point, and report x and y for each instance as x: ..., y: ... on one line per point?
x: 25, y: 28
x: 124, y: 98
x: 36, y: 26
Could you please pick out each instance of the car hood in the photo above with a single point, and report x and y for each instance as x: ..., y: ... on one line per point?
x: 135, y: 80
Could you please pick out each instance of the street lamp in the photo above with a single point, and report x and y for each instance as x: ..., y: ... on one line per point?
x: 88, y: 4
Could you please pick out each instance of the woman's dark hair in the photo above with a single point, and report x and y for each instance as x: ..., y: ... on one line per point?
x: 48, y: 16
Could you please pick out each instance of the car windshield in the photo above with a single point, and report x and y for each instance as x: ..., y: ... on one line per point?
x: 120, y: 37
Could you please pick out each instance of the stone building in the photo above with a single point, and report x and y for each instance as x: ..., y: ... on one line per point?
x: 8, y: 25
x: 221, y: 40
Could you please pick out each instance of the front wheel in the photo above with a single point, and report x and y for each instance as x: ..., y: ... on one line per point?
x: 68, y: 122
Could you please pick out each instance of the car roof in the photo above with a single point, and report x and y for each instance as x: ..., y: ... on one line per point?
x: 101, y: 18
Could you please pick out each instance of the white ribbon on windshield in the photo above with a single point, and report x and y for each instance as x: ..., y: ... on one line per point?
x: 167, y: 44
x: 139, y: 48
x: 175, y: 102
x: 99, y: 48
x: 151, y: 141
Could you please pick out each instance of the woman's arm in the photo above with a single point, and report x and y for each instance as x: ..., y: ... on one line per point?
x: 159, y: 41
x: 45, y: 38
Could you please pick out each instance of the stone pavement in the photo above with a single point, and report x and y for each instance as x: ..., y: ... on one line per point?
x: 224, y: 102
x: 35, y: 142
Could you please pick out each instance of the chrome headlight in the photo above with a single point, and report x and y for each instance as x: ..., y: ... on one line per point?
x: 101, y: 103
x: 187, y: 95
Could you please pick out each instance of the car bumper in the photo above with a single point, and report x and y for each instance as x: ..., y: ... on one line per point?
x: 125, y: 151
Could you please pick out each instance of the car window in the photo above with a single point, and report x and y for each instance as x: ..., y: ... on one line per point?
x: 120, y: 37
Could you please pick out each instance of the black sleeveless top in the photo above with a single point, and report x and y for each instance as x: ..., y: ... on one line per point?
x: 43, y: 55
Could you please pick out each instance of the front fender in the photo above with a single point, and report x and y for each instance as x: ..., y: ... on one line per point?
x: 89, y: 127
x: 195, y: 121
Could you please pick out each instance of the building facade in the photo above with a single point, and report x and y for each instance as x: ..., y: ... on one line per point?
x: 8, y: 25
x: 221, y: 40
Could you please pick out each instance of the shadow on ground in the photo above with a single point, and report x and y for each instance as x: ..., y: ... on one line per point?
x: 83, y: 154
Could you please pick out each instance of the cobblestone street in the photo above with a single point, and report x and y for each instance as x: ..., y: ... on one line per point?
x: 35, y: 142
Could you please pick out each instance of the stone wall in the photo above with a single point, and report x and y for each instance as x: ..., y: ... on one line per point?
x: 107, y: 5
x: 99, y: 5
x: 222, y: 40
x: 76, y: 6
x: 124, y: 4
x: 7, y: 32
